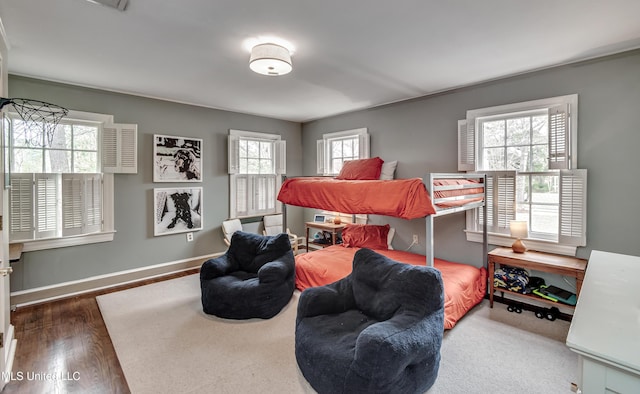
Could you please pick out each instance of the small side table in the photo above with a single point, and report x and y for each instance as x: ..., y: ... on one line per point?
x: 334, y: 229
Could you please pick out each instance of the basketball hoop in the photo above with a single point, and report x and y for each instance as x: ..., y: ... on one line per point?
x: 37, y: 114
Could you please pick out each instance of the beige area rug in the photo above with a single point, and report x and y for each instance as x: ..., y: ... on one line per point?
x: 166, y: 344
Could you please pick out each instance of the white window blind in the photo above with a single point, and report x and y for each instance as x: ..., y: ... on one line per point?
x: 320, y: 157
x: 234, y: 154
x: 256, y: 163
x: 120, y: 148
x: 21, y: 206
x: 466, y: 146
x: 55, y: 205
x: 81, y: 203
x: 501, y: 201
x: 559, y: 137
x: 573, y: 207
x: 46, y: 205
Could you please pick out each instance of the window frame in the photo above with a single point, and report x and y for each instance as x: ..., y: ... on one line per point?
x: 565, y: 160
x: 45, y: 151
x: 324, y: 157
x: 279, y: 167
x: 107, y: 232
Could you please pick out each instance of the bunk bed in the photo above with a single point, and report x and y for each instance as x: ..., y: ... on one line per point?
x: 438, y: 194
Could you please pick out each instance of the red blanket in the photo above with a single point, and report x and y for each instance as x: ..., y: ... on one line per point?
x: 464, y: 285
x: 402, y: 198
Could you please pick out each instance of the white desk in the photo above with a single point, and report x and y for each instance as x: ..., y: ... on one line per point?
x: 605, y: 330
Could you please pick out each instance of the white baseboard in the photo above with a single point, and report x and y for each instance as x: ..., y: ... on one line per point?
x: 72, y: 288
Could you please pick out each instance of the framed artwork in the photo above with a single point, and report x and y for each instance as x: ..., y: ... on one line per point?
x: 177, y: 210
x: 177, y: 159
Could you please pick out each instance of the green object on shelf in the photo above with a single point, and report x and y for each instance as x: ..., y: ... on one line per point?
x: 556, y: 294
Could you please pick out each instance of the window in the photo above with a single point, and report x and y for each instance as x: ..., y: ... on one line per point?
x: 59, y: 194
x: 257, y: 162
x: 528, y: 151
x: 336, y: 148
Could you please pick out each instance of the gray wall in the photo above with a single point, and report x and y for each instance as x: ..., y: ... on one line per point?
x: 134, y: 245
x: 421, y: 135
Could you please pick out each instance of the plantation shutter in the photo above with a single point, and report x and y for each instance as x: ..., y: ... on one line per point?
x: 466, y: 145
x: 120, y: 148
x: 489, y: 203
x: 240, y: 199
x: 21, y: 207
x: 573, y: 207
x: 320, y: 158
x: 559, y: 137
x: 281, y: 157
x: 264, y: 192
x: 501, y: 201
x: 72, y: 204
x: 46, y: 205
x: 93, y: 203
x: 81, y: 203
x: 234, y: 154
x: 363, y: 145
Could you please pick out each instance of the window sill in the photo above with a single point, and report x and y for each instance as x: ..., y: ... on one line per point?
x: 51, y: 243
x: 538, y: 245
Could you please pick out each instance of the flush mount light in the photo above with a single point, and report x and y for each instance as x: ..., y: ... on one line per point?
x: 117, y: 4
x: 270, y: 59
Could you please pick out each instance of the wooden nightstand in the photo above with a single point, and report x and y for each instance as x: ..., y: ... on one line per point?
x: 545, y: 262
x: 334, y: 229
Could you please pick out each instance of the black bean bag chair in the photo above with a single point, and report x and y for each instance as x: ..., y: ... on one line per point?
x: 254, y: 278
x: 378, y: 330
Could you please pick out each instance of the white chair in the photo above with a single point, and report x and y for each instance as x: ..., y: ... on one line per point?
x: 229, y: 227
x: 273, y: 226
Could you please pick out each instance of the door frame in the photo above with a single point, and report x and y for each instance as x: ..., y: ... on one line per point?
x: 7, y: 342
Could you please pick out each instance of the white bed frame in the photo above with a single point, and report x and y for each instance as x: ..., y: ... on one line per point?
x: 431, y: 188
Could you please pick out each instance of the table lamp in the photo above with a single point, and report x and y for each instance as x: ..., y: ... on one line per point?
x: 519, y: 229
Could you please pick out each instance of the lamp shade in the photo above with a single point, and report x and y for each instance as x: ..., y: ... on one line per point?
x: 519, y: 229
x: 270, y: 59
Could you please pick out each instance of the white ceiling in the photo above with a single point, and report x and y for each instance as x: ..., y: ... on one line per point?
x: 350, y: 54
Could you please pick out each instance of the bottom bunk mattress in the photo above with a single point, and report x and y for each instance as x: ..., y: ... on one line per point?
x: 464, y: 285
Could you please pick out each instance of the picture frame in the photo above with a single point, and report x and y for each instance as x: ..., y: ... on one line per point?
x: 177, y: 210
x: 319, y: 218
x: 177, y: 159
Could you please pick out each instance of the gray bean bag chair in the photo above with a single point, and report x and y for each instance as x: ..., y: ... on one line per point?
x: 254, y: 278
x: 378, y: 330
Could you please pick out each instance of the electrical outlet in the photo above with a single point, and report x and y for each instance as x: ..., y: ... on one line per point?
x: 189, y: 237
x: 415, y: 239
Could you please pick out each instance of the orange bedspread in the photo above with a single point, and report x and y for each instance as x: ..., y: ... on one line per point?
x: 402, y: 198
x: 464, y: 285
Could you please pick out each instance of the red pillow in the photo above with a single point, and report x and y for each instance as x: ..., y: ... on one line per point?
x: 365, y: 236
x: 362, y: 169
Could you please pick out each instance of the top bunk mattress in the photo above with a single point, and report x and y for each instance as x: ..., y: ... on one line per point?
x: 402, y: 198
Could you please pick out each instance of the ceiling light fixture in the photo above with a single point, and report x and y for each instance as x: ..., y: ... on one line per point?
x: 270, y: 59
x: 120, y: 5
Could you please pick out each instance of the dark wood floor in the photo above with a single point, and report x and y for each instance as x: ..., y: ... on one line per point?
x: 64, y: 347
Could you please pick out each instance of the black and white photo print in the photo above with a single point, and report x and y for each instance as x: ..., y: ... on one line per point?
x: 177, y: 159
x: 177, y: 210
